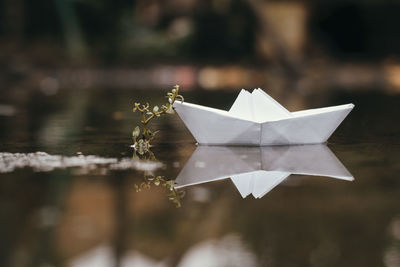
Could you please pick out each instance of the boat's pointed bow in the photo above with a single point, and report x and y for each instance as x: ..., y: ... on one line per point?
x: 324, y: 123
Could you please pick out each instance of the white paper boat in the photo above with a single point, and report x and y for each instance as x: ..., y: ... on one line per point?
x: 257, y: 170
x: 257, y: 119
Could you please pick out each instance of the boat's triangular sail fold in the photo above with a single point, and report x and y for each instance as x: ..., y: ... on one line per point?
x: 243, y: 106
x: 258, y: 106
x: 265, y: 108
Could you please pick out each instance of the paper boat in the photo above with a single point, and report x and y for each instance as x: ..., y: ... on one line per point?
x: 257, y: 170
x: 257, y: 119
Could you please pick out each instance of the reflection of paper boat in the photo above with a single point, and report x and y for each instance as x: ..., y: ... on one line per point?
x: 257, y: 119
x: 256, y: 170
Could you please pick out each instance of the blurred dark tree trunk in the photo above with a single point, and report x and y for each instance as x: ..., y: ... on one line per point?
x: 284, y: 54
x: 72, y: 30
x: 115, y: 12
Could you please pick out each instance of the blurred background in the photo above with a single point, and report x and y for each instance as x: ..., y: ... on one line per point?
x: 300, y: 46
x: 70, y: 71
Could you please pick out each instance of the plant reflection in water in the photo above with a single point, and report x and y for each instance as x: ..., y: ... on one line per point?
x: 149, y: 179
x: 174, y: 195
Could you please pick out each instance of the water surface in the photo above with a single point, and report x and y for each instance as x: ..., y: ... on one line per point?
x: 69, y: 189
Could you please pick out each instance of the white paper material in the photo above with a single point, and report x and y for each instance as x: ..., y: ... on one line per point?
x: 257, y: 170
x: 258, y: 183
x: 256, y: 119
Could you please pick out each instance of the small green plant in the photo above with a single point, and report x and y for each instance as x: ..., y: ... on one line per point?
x: 142, y: 136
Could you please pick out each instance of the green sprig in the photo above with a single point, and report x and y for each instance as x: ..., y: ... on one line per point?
x: 147, y: 114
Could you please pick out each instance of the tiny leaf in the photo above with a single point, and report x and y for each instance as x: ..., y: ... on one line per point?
x: 136, y: 132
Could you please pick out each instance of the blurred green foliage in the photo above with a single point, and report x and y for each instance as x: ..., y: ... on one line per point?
x: 133, y: 30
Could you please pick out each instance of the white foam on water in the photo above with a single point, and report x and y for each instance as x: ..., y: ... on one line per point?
x: 44, y: 162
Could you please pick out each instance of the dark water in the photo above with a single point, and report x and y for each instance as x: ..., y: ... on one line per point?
x: 81, y: 210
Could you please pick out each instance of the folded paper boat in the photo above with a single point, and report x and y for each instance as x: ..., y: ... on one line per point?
x: 257, y: 170
x: 256, y: 119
